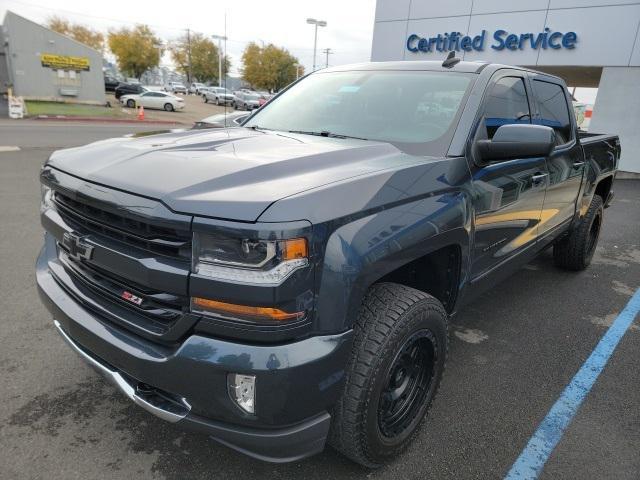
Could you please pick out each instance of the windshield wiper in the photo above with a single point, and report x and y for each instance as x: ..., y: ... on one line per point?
x: 325, y: 133
x: 258, y: 127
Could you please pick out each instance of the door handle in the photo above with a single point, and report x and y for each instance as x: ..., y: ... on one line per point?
x: 538, y: 178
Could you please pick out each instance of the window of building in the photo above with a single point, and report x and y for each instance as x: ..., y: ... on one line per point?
x: 554, y: 111
x: 507, y: 104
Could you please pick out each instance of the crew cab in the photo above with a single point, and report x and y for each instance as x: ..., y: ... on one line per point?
x: 288, y: 283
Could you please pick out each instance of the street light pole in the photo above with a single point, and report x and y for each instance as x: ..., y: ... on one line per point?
x: 317, y: 23
x: 219, y: 38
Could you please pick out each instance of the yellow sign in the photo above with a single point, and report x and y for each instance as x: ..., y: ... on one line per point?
x: 63, y: 62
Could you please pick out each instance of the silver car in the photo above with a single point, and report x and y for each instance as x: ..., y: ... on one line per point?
x: 175, y: 87
x: 219, y: 96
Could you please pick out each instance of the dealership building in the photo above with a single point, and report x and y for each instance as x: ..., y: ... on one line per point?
x: 589, y: 43
x: 40, y: 64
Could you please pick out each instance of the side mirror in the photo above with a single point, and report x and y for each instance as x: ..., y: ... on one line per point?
x: 518, y: 141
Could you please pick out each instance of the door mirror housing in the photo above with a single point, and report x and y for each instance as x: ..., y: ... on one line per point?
x: 517, y: 141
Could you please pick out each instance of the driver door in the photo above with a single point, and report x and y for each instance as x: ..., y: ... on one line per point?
x: 508, y: 195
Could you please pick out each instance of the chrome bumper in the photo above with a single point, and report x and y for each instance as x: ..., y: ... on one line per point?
x: 149, y: 399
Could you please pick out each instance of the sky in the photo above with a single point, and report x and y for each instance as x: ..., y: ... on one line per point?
x: 348, y: 32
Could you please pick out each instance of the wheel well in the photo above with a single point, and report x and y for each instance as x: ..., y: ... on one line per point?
x: 603, y: 188
x: 437, y: 274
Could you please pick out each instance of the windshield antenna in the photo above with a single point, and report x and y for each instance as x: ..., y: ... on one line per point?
x: 451, y: 60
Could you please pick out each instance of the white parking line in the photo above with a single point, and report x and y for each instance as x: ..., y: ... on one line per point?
x: 11, y: 148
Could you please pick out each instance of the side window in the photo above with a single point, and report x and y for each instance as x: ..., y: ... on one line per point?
x: 506, y: 104
x: 554, y: 111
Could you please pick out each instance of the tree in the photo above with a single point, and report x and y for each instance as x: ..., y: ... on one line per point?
x: 78, y: 32
x: 137, y: 50
x: 269, y: 67
x: 204, y: 58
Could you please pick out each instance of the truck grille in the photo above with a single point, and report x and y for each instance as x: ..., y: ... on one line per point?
x: 154, y: 238
x: 153, y: 311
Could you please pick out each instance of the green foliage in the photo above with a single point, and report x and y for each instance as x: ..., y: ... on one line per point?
x: 269, y: 67
x: 137, y: 49
x: 80, y: 33
x: 204, y: 58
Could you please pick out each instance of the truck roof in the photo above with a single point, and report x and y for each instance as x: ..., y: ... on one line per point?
x: 427, y: 65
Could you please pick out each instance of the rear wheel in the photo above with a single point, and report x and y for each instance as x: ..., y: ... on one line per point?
x: 168, y: 107
x: 131, y: 103
x: 393, y: 375
x: 575, y: 251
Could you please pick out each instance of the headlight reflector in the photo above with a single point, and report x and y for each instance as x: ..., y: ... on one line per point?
x: 46, y: 198
x: 243, y: 260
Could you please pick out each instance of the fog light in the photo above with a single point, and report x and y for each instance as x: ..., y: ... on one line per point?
x: 242, y: 389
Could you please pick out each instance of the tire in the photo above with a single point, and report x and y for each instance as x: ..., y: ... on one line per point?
x: 205, y: 99
x: 575, y: 251
x: 168, y: 107
x: 131, y: 103
x: 400, y: 341
x: 217, y: 101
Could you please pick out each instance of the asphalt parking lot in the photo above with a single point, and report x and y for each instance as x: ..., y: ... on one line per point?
x: 512, y: 353
x: 194, y: 109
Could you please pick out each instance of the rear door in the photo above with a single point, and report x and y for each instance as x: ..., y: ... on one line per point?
x: 566, y: 162
x: 508, y: 194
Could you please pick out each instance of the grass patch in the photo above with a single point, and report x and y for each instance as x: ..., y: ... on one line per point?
x: 69, y: 109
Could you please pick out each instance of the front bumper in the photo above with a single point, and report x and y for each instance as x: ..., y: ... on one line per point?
x: 186, y: 384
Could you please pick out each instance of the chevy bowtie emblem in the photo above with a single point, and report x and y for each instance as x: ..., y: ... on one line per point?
x: 77, y: 247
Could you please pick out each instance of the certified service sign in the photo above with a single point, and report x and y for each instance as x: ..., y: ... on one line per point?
x: 499, y: 40
x: 63, y: 62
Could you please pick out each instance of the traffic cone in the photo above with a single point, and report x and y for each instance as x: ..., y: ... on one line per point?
x: 141, y: 113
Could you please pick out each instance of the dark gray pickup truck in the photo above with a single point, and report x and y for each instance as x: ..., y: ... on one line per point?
x: 288, y: 283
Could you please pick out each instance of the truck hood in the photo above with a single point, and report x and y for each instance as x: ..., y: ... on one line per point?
x: 231, y: 174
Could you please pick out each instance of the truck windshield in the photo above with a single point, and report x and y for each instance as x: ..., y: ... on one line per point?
x: 414, y: 110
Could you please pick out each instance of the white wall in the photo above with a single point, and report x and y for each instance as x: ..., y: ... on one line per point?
x: 608, y: 30
x: 617, y: 110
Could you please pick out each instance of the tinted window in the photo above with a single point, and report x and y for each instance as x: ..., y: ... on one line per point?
x: 414, y: 110
x: 554, y: 111
x: 506, y: 104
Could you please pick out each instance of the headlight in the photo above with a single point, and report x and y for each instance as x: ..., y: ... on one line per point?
x: 243, y: 260
x: 46, y: 198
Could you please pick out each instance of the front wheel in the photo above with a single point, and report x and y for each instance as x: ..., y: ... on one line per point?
x: 131, y: 103
x: 575, y: 251
x: 168, y: 107
x: 204, y: 97
x: 398, y: 358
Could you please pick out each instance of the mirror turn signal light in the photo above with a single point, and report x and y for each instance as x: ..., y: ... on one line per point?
x: 244, y: 311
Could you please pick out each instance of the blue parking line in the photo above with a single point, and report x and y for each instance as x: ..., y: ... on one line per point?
x: 531, y: 461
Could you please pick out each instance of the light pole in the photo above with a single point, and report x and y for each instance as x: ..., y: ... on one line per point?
x: 220, y: 38
x: 317, y: 23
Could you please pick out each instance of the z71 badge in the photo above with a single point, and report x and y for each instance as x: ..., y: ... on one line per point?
x: 130, y: 297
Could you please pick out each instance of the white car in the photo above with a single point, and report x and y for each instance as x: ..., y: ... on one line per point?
x: 175, y: 87
x: 195, y: 87
x: 160, y: 100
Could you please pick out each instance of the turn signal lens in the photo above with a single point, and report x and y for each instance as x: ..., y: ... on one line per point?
x: 205, y: 305
x: 294, y: 248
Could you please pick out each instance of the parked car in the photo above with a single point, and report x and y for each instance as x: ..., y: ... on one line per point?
x: 159, y: 100
x: 110, y: 83
x: 289, y: 283
x: 195, y: 87
x: 128, y: 89
x: 219, y: 96
x: 175, y: 87
x: 221, y: 120
x: 246, y: 101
